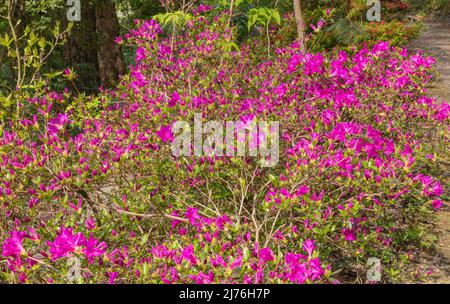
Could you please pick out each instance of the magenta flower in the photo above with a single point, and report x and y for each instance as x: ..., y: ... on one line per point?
x: 188, y: 255
x: 315, y: 269
x: 309, y: 247
x: 112, y: 277
x: 175, y: 99
x: 66, y: 242
x: 266, y: 255
x: 165, y: 134
x: 218, y: 261
x: 32, y: 234
x: 438, y: 190
x: 90, y: 223
x: 236, y: 263
x: 93, y: 248
x: 192, y: 216
x: 437, y: 204
x: 298, y: 273
x: 320, y: 24
x: 349, y: 235
x: 140, y: 54
x: 13, y: 246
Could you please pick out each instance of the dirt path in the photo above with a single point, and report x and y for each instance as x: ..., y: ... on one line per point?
x: 435, y: 40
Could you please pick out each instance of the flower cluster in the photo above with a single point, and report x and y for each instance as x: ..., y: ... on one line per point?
x: 66, y: 242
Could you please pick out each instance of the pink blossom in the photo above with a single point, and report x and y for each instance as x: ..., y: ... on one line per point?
x: 309, y: 247
x: 188, y: 255
x: 437, y: 204
x: 140, y: 54
x: 266, y: 255
x: 349, y: 235
x: 165, y: 133
x: 112, y: 277
x: 13, y: 246
x: 67, y: 242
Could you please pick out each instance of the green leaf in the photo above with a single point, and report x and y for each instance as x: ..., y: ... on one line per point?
x: 277, y: 17
x: 144, y: 239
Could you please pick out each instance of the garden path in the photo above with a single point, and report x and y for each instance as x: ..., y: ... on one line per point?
x: 435, y: 40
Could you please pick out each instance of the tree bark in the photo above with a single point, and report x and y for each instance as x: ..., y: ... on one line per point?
x: 110, y: 58
x: 80, y: 50
x: 300, y: 23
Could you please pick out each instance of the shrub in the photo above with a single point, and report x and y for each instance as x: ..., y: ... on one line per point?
x: 396, y: 32
x: 355, y: 178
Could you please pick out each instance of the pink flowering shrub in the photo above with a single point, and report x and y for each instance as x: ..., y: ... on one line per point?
x: 220, y: 253
x: 358, y: 175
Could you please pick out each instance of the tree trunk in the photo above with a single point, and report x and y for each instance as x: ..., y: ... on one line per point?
x: 231, y: 12
x: 16, y: 12
x: 110, y: 57
x: 300, y: 23
x: 80, y: 50
x: 19, y: 14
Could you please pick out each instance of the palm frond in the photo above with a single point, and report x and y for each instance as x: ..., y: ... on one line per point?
x: 347, y: 31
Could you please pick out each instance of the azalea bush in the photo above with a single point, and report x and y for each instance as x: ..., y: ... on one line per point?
x: 396, y: 32
x: 392, y: 7
x: 91, y: 191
